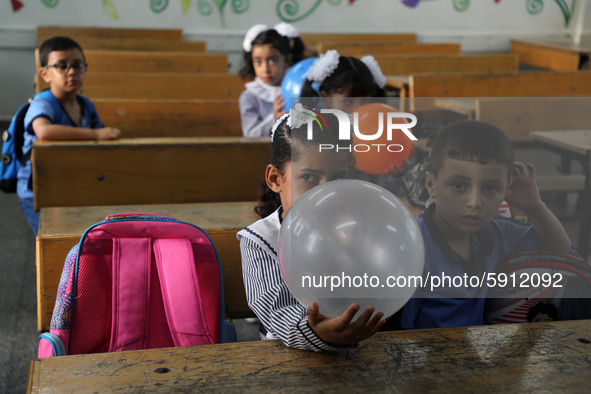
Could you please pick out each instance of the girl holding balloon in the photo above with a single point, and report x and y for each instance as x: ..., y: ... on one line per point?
x: 296, y: 167
x: 268, y: 53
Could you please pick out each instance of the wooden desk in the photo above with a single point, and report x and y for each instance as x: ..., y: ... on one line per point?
x: 526, y: 357
x: 577, y: 144
x: 61, y: 228
x: 558, y: 55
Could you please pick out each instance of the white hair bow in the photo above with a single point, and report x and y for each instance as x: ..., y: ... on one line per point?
x: 324, y: 66
x: 376, y: 71
x: 251, y: 34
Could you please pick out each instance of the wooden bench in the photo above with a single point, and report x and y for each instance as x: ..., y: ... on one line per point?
x: 61, y: 228
x: 148, y: 171
x: 358, y: 49
x: 155, y: 61
x: 171, y: 118
x: 160, y: 85
x: 526, y: 84
x: 311, y: 40
x: 527, y: 357
x: 411, y: 64
x: 45, y: 32
x: 147, y: 62
x: 519, y: 116
x: 139, y: 44
x: 551, y: 55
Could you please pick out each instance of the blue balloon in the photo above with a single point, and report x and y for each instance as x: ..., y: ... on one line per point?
x: 293, y: 81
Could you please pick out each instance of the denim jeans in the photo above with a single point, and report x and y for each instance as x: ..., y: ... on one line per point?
x: 30, y: 214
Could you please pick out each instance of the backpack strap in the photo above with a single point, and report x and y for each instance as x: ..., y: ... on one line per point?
x: 180, y: 292
x: 131, y: 284
x: 56, y: 107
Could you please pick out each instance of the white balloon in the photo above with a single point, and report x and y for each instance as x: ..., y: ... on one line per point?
x: 351, y: 241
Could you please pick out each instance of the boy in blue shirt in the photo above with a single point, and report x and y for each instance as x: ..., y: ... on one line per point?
x: 59, y: 113
x: 471, y: 172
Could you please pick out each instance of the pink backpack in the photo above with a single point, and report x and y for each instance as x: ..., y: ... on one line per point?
x: 138, y: 281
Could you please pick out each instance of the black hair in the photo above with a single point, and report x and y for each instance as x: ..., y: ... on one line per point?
x: 285, y: 46
x: 349, y: 72
x: 56, y: 44
x: 545, y: 308
x: 287, y: 146
x: 470, y: 140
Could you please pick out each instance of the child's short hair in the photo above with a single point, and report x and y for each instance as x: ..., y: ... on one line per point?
x: 471, y: 141
x: 545, y: 308
x: 288, y: 145
x: 56, y: 44
x: 285, y: 46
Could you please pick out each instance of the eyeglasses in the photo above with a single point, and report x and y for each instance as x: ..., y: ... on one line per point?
x: 64, y: 68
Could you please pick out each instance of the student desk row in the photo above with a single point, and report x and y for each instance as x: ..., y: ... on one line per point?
x: 556, y: 54
x: 148, y: 170
x: 529, y: 357
x: 159, y: 85
x: 146, y: 118
x: 60, y: 228
x: 122, y: 39
x: 105, y: 60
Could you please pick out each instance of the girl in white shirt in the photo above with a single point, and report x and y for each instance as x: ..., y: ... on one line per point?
x: 268, y: 54
x: 296, y: 167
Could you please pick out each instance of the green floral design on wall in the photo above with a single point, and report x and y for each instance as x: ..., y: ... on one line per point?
x: 158, y: 6
x: 205, y: 7
x: 461, y: 5
x: 290, y: 10
x: 110, y: 10
x: 534, y: 7
x: 50, y: 3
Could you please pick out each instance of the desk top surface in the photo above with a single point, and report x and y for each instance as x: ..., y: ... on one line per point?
x: 565, y: 44
x: 66, y: 221
x: 578, y: 141
x: 509, y: 358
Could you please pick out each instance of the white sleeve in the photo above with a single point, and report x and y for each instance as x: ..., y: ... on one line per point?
x: 270, y: 299
x: 254, y: 124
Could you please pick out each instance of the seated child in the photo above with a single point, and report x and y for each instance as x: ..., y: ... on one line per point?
x: 296, y: 167
x: 343, y: 82
x: 471, y: 172
x: 63, y: 67
x: 346, y: 83
x: 268, y: 54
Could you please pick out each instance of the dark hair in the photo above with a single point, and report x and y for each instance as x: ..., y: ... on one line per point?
x: 285, y: 46
x: 287, y: 146
x: 545, y: 308
x: 471, y: 141
x: 349, y: 72
x: 56, y: 44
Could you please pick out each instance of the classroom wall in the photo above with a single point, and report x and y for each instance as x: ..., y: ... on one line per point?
x: 479, y: 25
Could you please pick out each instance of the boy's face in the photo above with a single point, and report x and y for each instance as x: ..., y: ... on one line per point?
x: 468, y: 195
x: 64, y: 81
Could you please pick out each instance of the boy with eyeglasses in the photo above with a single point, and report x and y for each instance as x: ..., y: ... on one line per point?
x: 58, y: 113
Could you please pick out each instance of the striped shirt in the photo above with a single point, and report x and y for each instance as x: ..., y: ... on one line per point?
x: 280, y: 314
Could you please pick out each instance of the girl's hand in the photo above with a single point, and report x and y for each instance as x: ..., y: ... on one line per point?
x: 342, y: 330
x: 278, y: 107
x: 108, y: 133
x: 523, y: 191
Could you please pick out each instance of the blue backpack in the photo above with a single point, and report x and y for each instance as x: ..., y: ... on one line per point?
x: 12, y: 158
